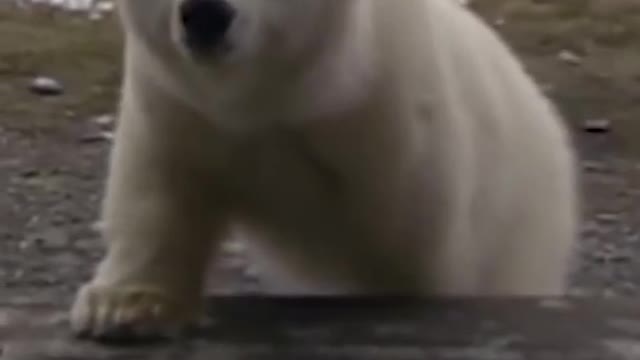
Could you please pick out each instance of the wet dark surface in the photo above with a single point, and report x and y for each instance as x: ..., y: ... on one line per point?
x: 255, y: 328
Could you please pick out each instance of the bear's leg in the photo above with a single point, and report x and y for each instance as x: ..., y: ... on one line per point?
x: 160, y: 226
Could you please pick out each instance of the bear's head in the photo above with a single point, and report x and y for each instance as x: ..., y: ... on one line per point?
x: 316, y: 49
x: 237, y: 30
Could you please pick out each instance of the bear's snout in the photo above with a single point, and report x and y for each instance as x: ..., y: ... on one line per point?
x: 205, y: 23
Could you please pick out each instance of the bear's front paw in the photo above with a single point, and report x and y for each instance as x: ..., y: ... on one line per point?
x: 128, y: 313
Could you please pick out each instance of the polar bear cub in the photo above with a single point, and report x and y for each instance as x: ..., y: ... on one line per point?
x: 366, y: 147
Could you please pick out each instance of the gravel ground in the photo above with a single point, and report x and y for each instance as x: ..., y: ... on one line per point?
x: 53, y: 142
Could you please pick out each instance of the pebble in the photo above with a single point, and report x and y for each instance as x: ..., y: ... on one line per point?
x: 547, y: 88
x: 593, y: 166
x: 18, y: 274
x: 105, y: 6
x: 29, y: 173
x: 99, y: 10
x: 43, y: 85
x: 104, y: 121
x: 251, y: 272
x: 607, y: 217
x: 233, y: 262
x: 52, y: 238
x: 5, y: 320
x: 610, y: 254
x: 234, y: 247
x: 95, y: 15
x: 555, y: 304
x: 598, y: 125
x: 569, y: 57
x: 97, y: 226
x: 97, y: 137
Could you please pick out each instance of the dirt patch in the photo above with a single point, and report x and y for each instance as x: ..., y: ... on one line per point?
x: 604, y: 83
x: 52, y: 152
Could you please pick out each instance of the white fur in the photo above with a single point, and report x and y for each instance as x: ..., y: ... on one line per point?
x: 367, y: 146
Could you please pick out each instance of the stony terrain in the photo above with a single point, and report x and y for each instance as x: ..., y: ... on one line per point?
x: 58, y: 86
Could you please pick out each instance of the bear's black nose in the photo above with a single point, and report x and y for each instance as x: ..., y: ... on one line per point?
x: 205, y: 22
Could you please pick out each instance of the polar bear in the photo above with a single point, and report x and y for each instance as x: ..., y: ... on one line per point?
x: 365, y: 147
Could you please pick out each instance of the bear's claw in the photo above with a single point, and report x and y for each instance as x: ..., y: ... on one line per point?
x: 131, y: 313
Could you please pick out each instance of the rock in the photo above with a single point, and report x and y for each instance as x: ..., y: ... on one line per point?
x: 104, y: 121
x: 99, y: 129
x: 608, y: 218
x: 251, y: 272
x: 598, y: 125
x: 18, y: 274
x: 228, y: 262
x: 51, y: 238
x: 5, y: 321
x: 99, y: 9
x: 611, y: 254
x: 105, y: 6
x: 234, y: 247
x: 569, y: 57
x: 29, y: 173
x: 593, y: 166
x: 97, y: 137
x: 43, y: 85
x: 547, y: 88
x: 95, y: 15
x: 97, y: 227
